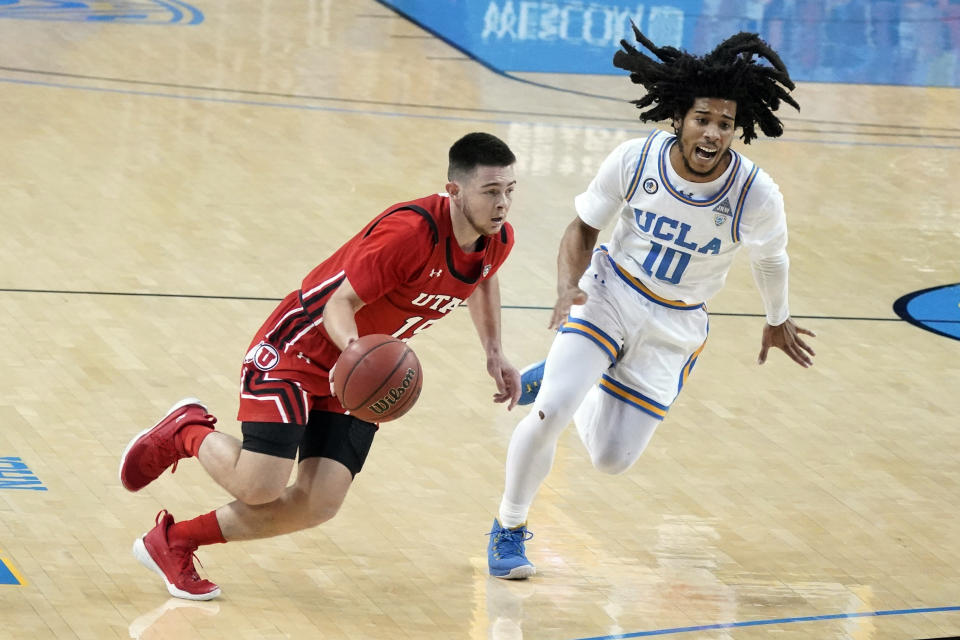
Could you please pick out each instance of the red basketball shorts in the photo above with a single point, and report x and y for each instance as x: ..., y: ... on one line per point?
x: 279, y: 382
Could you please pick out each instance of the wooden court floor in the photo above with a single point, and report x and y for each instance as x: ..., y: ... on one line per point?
x: 163, y: 187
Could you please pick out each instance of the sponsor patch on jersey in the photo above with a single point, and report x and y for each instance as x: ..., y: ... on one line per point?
x: 722, y: 210
x: 650, y: 186
x: 264, y: 356
x: 486, y: 270
x: 724, y: 207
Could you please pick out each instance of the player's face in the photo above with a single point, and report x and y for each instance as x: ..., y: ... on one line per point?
x: 485, y: 197
x: 703, y: 137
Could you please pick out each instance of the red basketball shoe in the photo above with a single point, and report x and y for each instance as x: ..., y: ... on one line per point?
x: 173, y: 563
x: 153, y: 450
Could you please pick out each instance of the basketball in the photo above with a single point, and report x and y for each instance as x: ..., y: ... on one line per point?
x: 377, y: 378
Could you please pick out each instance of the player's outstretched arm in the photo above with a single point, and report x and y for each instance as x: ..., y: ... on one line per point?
x: 484, y: 306
x: 576, y: 249
x: 786, y: 336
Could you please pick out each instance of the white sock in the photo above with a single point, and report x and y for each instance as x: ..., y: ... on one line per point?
x: 512, y: 515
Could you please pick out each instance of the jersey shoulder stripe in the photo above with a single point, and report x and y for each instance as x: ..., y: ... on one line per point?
x: 738, y: 211
x: 635, y: 181
x: 423, y: 213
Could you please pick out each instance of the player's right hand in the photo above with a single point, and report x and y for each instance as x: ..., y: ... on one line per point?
x: 566, y: 299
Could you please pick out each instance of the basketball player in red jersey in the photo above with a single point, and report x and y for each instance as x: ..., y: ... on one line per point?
x: 407, y: 268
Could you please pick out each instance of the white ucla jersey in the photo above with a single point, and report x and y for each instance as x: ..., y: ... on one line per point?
x: 679, y: 237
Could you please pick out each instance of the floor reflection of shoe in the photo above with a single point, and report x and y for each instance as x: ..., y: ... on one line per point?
x: 505, y: 607
x: 153, y: 621
x: 530, y: 379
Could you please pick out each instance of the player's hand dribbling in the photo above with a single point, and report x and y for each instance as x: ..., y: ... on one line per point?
x: 330, y: 373
x: 786, y: 337
x: 561, y: 309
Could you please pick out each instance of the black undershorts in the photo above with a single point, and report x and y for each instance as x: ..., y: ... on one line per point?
x: 326, y: 435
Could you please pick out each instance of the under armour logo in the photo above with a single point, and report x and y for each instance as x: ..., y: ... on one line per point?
x: 303, y: 357
x: 435, y: 272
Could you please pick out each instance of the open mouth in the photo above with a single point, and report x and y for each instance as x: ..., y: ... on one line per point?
x: 706, y: 154
x: 497, y: 220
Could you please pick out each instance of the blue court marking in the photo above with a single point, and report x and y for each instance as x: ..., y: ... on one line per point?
x: 16, y: 475
x: 761, y: 623
x: 641, y: 129
x: 7, y: 576
x: 483, y: 62
x: 936, y: 310
x: 163, y: 12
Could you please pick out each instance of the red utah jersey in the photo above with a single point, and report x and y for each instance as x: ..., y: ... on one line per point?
x: 408, y: 269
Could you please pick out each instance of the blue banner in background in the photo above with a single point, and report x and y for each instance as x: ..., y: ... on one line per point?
x: 914, y: 42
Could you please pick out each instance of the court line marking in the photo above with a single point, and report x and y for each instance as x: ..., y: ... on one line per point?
x: 515, y: 307
x: 13, y: 571
x: 758, y: 623
x: 516, y: 112
x: 393, y: 114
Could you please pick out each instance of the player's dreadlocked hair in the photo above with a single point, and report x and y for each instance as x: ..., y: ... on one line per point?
x: 728, y: 72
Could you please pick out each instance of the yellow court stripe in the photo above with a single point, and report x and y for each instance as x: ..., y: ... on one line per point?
x: 16, y: 574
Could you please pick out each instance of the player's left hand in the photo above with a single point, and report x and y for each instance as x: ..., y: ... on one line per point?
x: 507, y: 378
x: 786, y: 336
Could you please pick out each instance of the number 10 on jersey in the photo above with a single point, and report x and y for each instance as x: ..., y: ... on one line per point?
x: 665, y: 259
x: 410, y: 323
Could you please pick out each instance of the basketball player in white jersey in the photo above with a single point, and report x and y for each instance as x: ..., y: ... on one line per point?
x: 630, y: 313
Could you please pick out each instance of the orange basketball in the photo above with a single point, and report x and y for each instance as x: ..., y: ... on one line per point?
x: 377, y: 378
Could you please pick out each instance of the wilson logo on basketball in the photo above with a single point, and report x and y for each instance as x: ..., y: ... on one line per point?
x: 393, y: 395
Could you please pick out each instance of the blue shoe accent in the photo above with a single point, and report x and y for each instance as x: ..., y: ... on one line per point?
x: 505, y: 552
x: 530, y: 379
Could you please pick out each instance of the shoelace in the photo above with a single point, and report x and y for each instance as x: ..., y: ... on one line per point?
x: 169, y: 448
x: 509, y: 542
x: 188, y: 568
x: 187, y: 556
